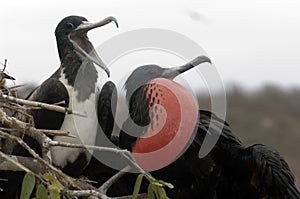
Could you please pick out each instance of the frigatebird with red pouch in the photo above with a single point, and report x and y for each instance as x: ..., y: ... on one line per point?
x: 166, y: 130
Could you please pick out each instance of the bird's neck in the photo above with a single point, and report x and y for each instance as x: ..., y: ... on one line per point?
x: 139, y: 105
x: 70, y: 65
x: 78, y: 71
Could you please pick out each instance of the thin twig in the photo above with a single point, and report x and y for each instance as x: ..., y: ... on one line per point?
x: 105, y: 186
x: 4, y: 65
x: 91, y: 194
x: 56, y: 132
x: 125, y: 153
x: 11, y: 160
x: 42, y: 105
x: 16, y: 86
x: 139, y: 196
x: 45, y: 131
x: 86, y: 193
x: 20, y: 110
x: 28, y: 162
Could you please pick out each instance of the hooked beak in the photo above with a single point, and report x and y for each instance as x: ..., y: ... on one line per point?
x: 82, y: 44
x: 171, y: 73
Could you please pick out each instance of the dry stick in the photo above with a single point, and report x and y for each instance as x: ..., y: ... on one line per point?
x: 139, y: 196
x: 56, y: 132
x: 4, y: 65
x: 28, y: 162
x: 17, y: 86
x: 123, y: 152
x: 45, y: 131
x: 11, y: 160
x: 20, y: 110
x: 26, y: 129
x: 42, y: 105
x: 105, y: 186
x: 36, y: 156
x: 91, y: 194
x: 86, y: 193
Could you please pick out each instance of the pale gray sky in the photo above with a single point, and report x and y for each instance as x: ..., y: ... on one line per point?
x: 250, y: 42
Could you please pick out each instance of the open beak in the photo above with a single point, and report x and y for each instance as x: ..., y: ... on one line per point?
x: 171, y: 73
x: 82, y: 44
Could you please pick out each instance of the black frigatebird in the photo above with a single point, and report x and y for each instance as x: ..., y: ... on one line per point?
x: 73, y: 85
x: 162, y: 110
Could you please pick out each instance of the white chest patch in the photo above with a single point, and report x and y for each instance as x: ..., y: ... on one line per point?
x: 83, y: 128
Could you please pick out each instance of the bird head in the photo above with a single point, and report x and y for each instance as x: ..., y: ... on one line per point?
x: 72, y: 31
x: 144, y: 74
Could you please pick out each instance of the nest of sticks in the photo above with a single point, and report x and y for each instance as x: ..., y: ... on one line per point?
x: 16, y: 121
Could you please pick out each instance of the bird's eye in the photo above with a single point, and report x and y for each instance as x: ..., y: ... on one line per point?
x: 70, y: 25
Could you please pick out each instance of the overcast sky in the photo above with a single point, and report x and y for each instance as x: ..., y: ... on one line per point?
x: 250, y: 42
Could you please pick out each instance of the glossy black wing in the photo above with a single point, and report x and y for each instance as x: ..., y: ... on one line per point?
x: 211, y: 125
x: 51, y: 91
x: 271, y: 174
x: 205, y: 173
x: 106, y: 107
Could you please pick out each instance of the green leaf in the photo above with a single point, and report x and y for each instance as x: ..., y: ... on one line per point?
x: 50, y: 178
x: 41, y: 192
x: 54, y: 194
x: 155, y: 190
x: 55, y: 187
x: 158, y: 184
x: 162, y: 193
x: 169, y: 185
x: 150, y: 192
x: 137, y: 186
x: 27, y: 185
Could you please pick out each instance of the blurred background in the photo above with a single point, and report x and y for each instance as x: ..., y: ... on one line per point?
x: 253, y: 44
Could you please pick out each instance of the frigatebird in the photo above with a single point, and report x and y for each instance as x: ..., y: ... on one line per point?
x: 73, y: 85
x: 166, y: 129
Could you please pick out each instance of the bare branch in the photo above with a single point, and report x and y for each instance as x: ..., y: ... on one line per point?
x: 86, y: 193
x: 41, y: 105
x: 56, y: 132
x: 105, y: 186
x: 24, y: 128
x: 92, y: 194
x: 139, y: 196
x: 125, y: 153
x: 16, y: 86
x: 30, y: 163
x: 11, y: 160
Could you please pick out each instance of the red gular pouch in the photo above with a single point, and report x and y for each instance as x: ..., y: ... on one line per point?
x: 173, y: 112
